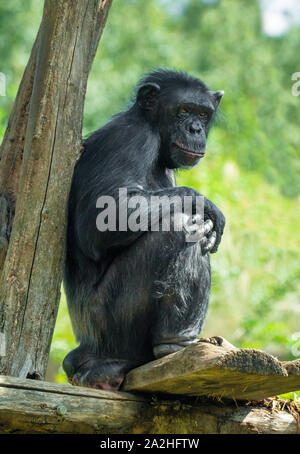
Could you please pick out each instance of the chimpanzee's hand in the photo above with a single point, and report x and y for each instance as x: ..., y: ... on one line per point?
x: 197, y: 230
x: 216, y: 216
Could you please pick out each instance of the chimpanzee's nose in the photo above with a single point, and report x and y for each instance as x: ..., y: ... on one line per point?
x: 195, y: 127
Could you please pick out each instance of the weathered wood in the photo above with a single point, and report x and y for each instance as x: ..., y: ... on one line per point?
x: 32, y: 272
x: 29, y: 406
x: 11, y: 153
x: 213, y: 367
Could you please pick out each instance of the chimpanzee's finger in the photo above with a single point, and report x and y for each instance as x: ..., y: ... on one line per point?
x: 197, y: 233
x: 211, y: 240
x: 208, y: 226
x: 219, y: 228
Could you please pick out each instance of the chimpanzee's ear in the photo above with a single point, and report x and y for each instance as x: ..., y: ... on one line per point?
x: 218, y: 95
x: 147, y: 95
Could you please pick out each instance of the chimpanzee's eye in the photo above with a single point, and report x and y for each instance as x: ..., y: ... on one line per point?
x: 182, y: 110
x: 203, y: 114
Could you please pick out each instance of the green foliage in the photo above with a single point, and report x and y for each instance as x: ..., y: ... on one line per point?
x: 291, y: 396
x: 252, y: 168
x: 63, y: 342
x: 18, y: 28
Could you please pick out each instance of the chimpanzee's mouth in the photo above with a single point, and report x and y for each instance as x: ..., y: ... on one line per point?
x: 198, y: 154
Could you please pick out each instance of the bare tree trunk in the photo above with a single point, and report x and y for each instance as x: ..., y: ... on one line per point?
x: 32, y: 272
x: 11, y: 153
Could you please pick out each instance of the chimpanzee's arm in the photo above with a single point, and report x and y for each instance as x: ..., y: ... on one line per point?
x: 95, y: 243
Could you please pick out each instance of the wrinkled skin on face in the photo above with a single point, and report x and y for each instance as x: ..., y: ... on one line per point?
x: 185, y: 115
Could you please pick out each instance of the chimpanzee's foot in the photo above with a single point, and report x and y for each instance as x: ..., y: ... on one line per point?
x: 219, y: 341
x: 173, y: 346
x: 165, y: 349
x: 84, y: 368
x: 101, y: 375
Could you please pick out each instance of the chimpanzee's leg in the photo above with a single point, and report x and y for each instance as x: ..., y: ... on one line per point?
x: 151, y: 302
x: 182, y: 296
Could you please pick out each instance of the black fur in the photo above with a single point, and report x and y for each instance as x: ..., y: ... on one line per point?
x: 134, y: 296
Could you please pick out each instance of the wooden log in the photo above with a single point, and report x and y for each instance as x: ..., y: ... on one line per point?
x: 213, y: 367
x: 31, y: 406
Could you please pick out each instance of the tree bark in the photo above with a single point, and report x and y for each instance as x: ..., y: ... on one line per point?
x: 214, y: 367
x: 29, y: 406
x: 30, y: 282
x: 11, y: 153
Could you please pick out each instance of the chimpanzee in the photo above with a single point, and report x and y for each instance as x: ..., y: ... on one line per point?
x: 136, y: 295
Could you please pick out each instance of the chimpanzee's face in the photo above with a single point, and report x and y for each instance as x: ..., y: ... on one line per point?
x: 185, y: 127
x: 183, y: 115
